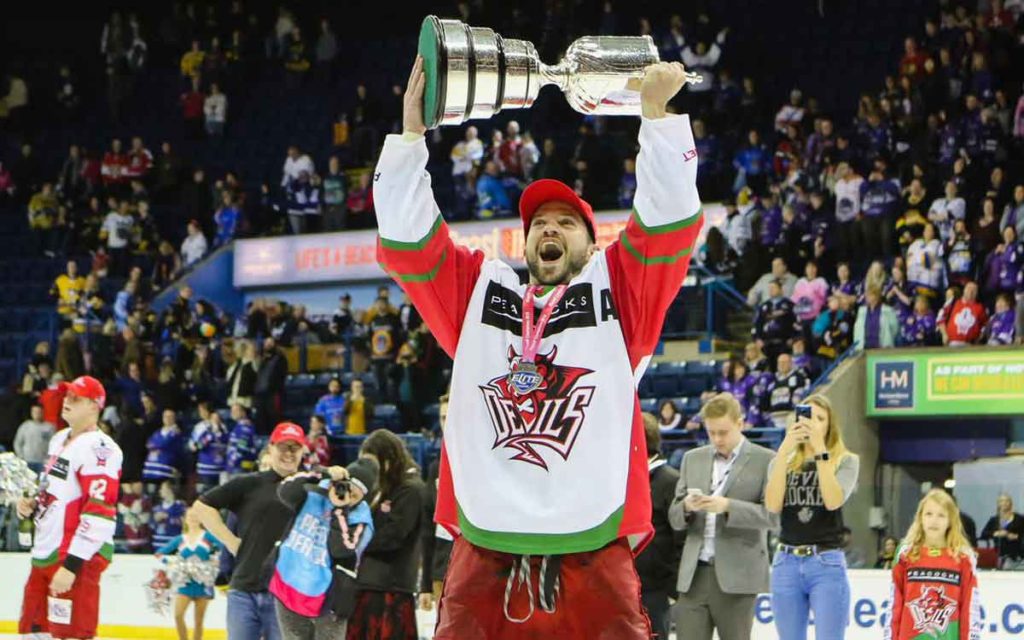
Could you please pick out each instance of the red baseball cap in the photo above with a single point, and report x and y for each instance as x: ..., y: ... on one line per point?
x: 86, y: 387
x: 547, y: 190
x: 286, y: 431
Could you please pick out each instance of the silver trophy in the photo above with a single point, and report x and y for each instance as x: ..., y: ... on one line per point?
x: 472, y: 72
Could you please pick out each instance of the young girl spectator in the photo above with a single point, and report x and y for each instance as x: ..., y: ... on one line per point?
x: 193, y: 541
x: 810, y: 480
x: 313, y: 579
x: 669, y: 417
x: 934, y: 581
x: 385, y: 604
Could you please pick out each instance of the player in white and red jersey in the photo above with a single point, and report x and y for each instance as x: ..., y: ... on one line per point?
x: 544, y: 452
x: 75, y: 514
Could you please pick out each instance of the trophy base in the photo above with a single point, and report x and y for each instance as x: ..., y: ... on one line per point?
x: 435, y: 62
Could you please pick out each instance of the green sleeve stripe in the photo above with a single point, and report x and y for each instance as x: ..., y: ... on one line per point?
x: 671, y: 226
x: 418, y: 277
x: 47, y: 561
x: 624, y: 239
x: 100, y: 516
x: 413, y: 246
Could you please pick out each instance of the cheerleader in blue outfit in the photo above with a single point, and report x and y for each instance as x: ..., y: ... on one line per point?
x: 194, y: 541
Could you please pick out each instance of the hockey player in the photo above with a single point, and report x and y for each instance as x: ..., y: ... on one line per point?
x: 543, y: 466
x: 75, y: 511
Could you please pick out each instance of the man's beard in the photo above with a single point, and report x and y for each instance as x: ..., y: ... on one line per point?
x: 562, y: 275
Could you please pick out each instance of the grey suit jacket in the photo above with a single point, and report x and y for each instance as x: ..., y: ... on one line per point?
x: 741, y: 533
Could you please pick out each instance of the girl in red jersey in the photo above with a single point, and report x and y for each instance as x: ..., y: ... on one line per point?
x: 934, y: 581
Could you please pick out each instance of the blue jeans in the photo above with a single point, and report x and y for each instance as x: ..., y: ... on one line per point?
x: 252, y: 616
x: 815, y: 583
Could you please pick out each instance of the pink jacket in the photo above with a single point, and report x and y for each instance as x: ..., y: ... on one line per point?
x: 809, y: 297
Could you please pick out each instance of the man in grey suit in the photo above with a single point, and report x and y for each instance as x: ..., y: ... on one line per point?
x: 719, y: 502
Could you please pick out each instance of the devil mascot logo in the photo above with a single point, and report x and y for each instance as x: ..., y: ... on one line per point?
x: 542, y: 405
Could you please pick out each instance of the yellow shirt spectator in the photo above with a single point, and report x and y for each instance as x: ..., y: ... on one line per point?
x: 356, y: 418
x: 69, y: 288
x: 192, y: 62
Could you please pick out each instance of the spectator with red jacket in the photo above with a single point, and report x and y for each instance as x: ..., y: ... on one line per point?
x: 140, y: 159
x: 965, y: 320
x: 192, y: 102
x: 508, y: 151
x: 115, y: 166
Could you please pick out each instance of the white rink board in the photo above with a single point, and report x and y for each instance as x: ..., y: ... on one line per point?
x: 124, y: 603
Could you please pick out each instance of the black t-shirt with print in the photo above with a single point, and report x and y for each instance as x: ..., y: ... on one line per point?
x: 805, y: 520
x: 262, y: 519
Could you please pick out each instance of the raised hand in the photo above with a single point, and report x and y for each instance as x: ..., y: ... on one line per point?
x: 661, y: 82
x: 412, y: 103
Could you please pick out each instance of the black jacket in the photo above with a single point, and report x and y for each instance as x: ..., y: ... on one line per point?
x: 245, y: 375
x: 1007, y: 548
x: 392, y: 559
x: 436, y: 551
x: 271, y: 376
x: 658, y: 564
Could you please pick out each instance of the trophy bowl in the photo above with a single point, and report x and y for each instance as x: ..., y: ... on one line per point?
x: 473, y: 72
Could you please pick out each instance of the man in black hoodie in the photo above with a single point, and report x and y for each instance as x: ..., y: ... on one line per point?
x: 657, y: 564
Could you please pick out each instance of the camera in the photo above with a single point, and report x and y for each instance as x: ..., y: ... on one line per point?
x: 803, y: 411
x: 342, y: 487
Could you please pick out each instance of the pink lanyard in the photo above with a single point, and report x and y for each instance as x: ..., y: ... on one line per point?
x: 533, y: 334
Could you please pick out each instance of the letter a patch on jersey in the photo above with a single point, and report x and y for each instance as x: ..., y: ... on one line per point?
x: 548, y: 412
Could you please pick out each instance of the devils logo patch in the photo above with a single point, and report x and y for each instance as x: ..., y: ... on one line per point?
x: 932, y: 611
x: 537, y: 406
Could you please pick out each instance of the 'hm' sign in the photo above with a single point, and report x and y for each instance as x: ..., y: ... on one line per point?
x: 894, y: 385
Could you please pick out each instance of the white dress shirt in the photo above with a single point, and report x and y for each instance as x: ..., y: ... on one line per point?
x: 721, y: 466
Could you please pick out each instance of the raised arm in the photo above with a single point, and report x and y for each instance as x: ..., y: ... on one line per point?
x: 648, y: 263
x: 414, y: 246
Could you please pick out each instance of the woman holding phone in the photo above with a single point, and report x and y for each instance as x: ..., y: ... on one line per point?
x: 810, y: 479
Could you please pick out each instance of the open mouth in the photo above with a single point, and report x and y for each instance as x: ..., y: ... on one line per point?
x: 550, y: 251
